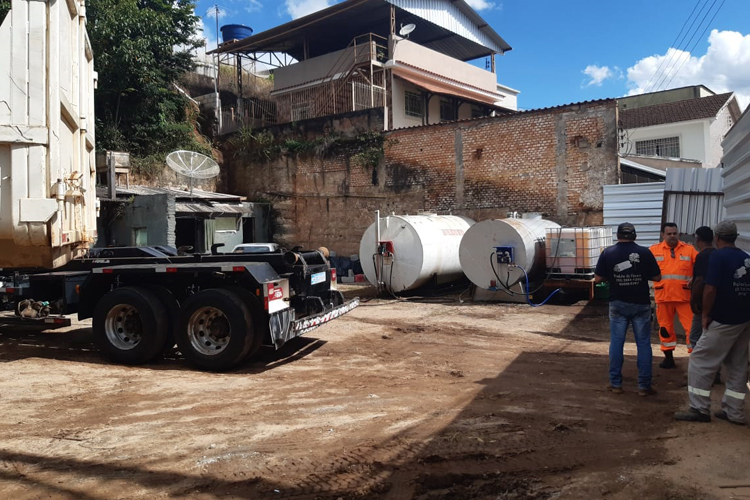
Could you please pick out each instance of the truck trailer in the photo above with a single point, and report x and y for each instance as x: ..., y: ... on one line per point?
x: 218, y: 309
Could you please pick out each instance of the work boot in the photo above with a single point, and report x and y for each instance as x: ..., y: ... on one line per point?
x: 668, y: 360
x: 723, y: 416
x: 692, y: 415
x: 646, y: 392
x: 615, y: 390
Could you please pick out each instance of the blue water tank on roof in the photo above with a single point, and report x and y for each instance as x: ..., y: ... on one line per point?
x: 231, y: 32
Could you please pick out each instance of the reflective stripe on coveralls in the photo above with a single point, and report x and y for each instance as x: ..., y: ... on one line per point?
x: 676, y: 265
x: 734, y: 394
x: 665, y: 312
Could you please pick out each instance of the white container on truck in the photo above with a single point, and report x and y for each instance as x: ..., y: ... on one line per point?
x: 219, y: 309
x: 47, y: 186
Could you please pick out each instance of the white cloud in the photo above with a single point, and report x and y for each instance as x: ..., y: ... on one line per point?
x: 480, y: 4
x: 254, y: 6
x: 300, y: 8
x: 724, y: 67
x: 597, y: 74
x: 211, y: 13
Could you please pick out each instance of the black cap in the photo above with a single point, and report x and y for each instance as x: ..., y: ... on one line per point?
x: 626, y: 231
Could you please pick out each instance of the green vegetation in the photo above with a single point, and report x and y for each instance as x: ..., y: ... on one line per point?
x: 364, y: 150
x: 135, y: 48
x: 4, y: 9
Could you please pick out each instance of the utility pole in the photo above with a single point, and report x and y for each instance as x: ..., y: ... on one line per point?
x: 216, y: 77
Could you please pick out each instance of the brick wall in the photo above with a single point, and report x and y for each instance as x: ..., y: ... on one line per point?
x: 552, y: 161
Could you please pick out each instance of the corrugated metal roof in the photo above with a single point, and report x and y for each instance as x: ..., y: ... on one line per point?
x: 212, y: 208
x: 639, y: 204
x: 642, y: 168
x: 197, y: 194
x: 450, y: 27
x: 736, y: 173
x: 693, y: 198
x: 458, y: 17
x: 511, y: 113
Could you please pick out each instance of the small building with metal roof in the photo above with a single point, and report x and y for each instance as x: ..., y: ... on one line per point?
x: 408, y: 57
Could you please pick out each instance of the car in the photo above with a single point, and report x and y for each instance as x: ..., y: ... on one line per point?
x: 257, y: 248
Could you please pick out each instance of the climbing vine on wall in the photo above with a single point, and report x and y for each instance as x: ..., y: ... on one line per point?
x: 364, y: 150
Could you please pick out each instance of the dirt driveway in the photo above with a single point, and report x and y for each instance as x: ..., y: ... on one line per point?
x: 398, y: 400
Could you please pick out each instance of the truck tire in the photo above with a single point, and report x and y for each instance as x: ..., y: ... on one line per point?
x: 173, y: 312
x: 260, y: 325
x: 130, y: 325
x: 215, y: 330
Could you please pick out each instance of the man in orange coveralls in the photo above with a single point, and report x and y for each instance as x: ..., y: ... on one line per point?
x: 672, y: 294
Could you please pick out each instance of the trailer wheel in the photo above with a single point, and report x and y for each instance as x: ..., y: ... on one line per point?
x: 260, y: 325
x: 216, y: 330
x: 130, y: 325
x: 173, y: 312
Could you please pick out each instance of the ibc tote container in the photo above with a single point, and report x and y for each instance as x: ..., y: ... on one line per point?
x: 47, y: 169
x: 575, y: 250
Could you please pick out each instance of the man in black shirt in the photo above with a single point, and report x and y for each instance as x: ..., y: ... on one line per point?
x: 726, y: 332
x: 704, y: 242
x: 628, y: 267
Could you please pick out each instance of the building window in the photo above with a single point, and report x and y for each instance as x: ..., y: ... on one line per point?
x: 300, y: 111
x: 226, y: 224
x: 413, y: 104
x: 477, y: 111
x: 448, y: 111
x: 668, y: 147
x: 140, y: 236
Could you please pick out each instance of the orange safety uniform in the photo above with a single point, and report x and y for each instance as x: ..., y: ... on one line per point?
x: 672, y: 293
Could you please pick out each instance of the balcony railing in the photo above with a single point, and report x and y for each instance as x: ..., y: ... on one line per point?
x: 356, y: 81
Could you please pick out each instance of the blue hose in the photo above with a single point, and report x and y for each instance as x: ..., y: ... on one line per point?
x: 528, y: 299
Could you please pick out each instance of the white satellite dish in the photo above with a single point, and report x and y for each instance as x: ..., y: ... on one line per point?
x: 192, y: 165
x: 405, y: 30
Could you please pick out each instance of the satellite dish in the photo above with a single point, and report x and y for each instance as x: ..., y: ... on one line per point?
x: 405, y: 30
x: 192, y: 165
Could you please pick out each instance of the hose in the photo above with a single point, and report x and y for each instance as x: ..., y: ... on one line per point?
x: 527, y: 294
x: 528, y: 299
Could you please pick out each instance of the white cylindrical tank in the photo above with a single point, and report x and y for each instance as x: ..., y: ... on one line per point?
x: 478, y: 257
x: 423, y: 246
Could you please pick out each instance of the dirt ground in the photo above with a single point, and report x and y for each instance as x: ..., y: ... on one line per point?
x: 415, y: 399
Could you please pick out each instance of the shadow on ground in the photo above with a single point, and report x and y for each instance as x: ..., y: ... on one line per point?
x: 532, y: 431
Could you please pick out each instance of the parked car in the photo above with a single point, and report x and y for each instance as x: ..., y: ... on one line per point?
x: 257, y: 248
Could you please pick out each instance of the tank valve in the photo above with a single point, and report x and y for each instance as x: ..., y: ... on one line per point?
x: 504, y: 255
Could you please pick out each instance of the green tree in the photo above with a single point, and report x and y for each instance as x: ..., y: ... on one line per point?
x: 140, y: 49
x: 4, y: 9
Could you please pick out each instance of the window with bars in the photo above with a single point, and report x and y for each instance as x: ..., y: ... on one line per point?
x: 448, y: 111
x: 413, y: 104
x: 669, y: 147
x: 300, y: 111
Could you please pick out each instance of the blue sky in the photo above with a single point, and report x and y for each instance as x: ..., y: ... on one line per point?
x: 577, y: 50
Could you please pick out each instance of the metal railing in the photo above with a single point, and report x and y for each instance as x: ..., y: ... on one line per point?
x: 356, y: 81
x: 248, y: 113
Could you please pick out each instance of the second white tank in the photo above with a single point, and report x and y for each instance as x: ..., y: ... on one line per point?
x: 478, y: 255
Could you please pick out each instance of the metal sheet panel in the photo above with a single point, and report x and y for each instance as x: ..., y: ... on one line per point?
x: 693, y: 198
x: 459, y: 19
x: 639, y: 204
x: 736, y: 174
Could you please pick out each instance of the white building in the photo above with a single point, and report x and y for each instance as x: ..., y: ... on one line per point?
x: 411, y: 59
x: 676, y: 128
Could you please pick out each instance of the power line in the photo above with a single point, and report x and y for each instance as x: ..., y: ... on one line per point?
x: 674, y: 44
x: 697, y: 41
x: 666, y: 74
